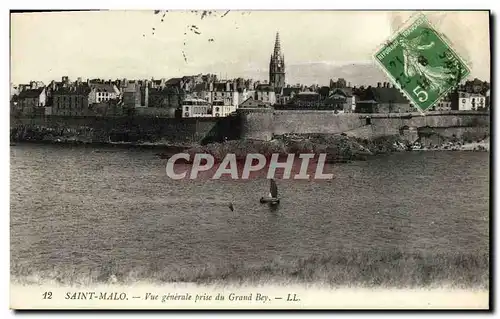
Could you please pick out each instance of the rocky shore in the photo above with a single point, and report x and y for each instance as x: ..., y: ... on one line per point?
x: 477, y: 146
x: 339, y: 147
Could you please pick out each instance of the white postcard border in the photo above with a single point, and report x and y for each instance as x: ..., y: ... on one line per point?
x: 185, y: 4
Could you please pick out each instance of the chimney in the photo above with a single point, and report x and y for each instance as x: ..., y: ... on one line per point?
x: 349, y: 84
x: 379, y: 84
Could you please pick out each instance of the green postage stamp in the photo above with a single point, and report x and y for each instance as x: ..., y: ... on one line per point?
x: 421, y: 63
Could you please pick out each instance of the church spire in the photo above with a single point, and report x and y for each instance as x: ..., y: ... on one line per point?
x: 277, y: 45
x: 277, y: 66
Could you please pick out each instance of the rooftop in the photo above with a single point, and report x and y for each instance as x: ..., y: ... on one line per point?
x: 102, y: 87
x: 347, y: 92
x: 265, y: 88
x: 290, y: 90
x: 307, y: 93
x: 194, y: 100
x: 30, y: 93
x: 173, y: 81
x: 72, y: 90
x: 383, y: 95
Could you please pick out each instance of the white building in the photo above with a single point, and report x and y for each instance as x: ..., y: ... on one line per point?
x: 244, y: 94
x: 196, y: 108
x: 442, y: 106
x: 220, y: 109
x: 223, y: 96
x: 470, y: 101
x: 102, y: 92
x: 265, y: 93
x: 224, y: 91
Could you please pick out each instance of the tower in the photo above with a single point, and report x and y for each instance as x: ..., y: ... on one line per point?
x: 277, y: 66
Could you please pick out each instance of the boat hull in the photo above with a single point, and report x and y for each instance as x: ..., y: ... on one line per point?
x: 272, y: 201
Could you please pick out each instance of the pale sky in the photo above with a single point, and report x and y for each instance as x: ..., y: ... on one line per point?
x: 110, y: 44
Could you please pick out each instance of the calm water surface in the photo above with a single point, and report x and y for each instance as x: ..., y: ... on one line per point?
x: 86, y: 208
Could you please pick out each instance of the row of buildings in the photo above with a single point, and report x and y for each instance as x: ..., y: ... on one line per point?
x: 166, y: 98
x: 205, y: 95
x: 155, y: 97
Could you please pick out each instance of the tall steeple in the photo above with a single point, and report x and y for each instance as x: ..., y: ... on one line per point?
x: 277, y: 45
x: 277, y: 66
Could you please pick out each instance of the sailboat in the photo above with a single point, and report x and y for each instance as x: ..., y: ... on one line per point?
x: 273, y: 194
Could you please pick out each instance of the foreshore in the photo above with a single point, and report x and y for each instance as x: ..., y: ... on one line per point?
x: 338, y: 148
x: 94, y: 144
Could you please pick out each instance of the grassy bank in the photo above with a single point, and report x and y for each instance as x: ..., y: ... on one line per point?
x: 396, y: 269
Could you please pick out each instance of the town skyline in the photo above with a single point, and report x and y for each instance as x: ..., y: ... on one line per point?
x: 170, y: 53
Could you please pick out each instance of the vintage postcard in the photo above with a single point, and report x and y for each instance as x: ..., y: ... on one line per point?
x: 202, y: 159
